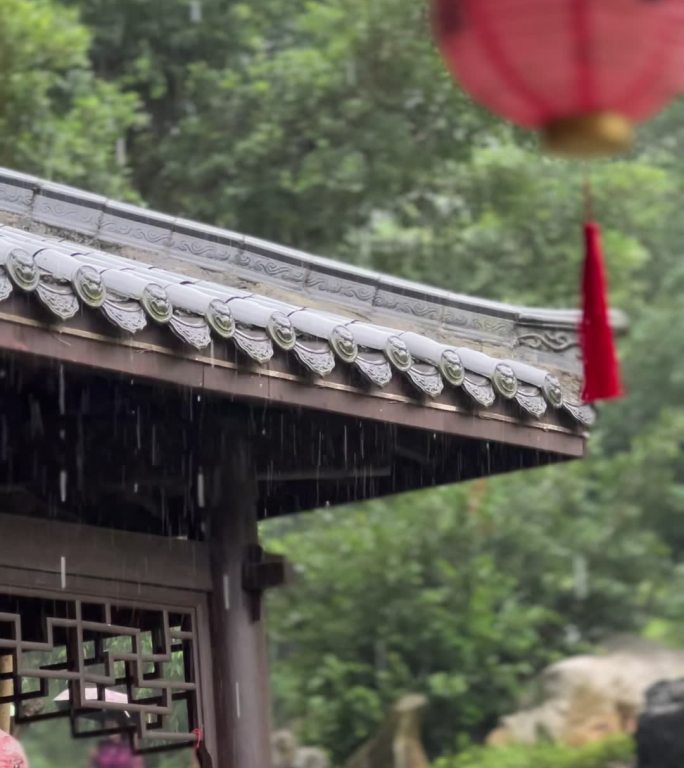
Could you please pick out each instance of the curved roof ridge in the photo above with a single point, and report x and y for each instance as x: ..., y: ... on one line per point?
x: 96, y: 217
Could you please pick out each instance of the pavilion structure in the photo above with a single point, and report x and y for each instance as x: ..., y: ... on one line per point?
x: 164, y: 386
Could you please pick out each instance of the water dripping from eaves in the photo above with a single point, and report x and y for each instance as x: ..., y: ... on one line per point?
x: 164, y: 510
x: 80, y: 454
x: 154, y: 448
x: 61, y: 390
x: 196, y: 11
x: 201, y: 500
x: 63, y: 479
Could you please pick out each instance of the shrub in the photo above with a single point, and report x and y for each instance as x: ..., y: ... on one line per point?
x: 608, y: 754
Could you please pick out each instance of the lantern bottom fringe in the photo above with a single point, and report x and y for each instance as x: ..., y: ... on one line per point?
x: 601, y: 368
x: 591, y: 135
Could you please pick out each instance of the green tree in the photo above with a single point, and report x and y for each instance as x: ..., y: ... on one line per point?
x: 290, y: 120
x: 56, y: 118
x: 461, y: 593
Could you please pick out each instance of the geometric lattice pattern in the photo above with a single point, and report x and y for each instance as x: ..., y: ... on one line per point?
x: 109, y: 667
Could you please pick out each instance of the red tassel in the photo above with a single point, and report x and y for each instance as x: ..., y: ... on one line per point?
x: 601, y: 369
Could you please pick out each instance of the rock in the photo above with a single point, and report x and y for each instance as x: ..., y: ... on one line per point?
x: 398, y: 742
x: 286, y: 753
x: 660, y: 735
x: 587, y: 698
x: 283, y: 749
x: 311, y: 757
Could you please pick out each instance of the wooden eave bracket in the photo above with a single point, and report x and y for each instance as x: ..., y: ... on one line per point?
x: 263, y: 570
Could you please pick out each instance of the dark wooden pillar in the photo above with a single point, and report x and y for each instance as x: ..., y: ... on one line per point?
x: 241, y: 684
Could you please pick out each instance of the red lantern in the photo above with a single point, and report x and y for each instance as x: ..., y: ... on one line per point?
x: 580, y: 71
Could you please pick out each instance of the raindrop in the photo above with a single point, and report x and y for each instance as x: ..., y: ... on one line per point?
x: 200, y: 488
x: 195, y: 11
x: 62, y: 392
x: 80, y: 456
x: 63, y: 485
x: 226, y: 591
x: 580, y: 576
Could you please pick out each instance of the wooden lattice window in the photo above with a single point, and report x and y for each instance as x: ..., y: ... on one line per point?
x: 109, y: 667
x: 113, y: 636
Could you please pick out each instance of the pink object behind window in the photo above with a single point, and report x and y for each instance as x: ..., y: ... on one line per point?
x: 11, y: 752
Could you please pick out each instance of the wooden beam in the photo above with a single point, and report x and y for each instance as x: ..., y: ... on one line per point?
x: 296, y: 475
x: 238, y: 638
x: 159, y: 362
x: 60, y: 549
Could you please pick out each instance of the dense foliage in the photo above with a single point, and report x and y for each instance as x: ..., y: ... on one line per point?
x: 56, y: 117
x: 332, y: 126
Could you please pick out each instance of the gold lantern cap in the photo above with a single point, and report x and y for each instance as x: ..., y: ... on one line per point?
x: 597, y: 134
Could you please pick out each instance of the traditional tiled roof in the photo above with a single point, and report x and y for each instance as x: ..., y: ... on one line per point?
x: 67, y: 276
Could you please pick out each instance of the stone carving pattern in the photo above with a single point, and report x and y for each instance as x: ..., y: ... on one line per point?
x: 59, y: 298
x: 480, y: 389
x: 81, y: 218
x: 277, y: 270
x: 191, y: 329
x: 255, y: 343
x: 15, y: 199
x: 346, y: 289
x: 530, y: 399
x: 556, y: 341
x: 198, y: 247
x: 426, y: 378
x: 5, y: 285
x: 374, y: 367
x: 133, y: 232
x: 583, y: 413
x: 493, y: 326
x: 316, y: 356
x: 398, y: 303
x: 124, y: 313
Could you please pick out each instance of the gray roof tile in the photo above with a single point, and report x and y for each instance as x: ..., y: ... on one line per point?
x: 130, y: 293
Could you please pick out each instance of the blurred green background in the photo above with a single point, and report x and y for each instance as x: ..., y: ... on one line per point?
x: 332, y: 126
